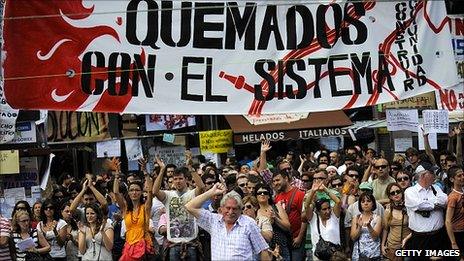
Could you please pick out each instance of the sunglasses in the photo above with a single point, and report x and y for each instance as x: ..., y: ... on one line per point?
x: 402, y: 179
x: 395, y: 192
x: 306, y: 180
x: 381, y: 166
x: 247, y: 207
x: 353, y: 175
x: 242, y: 185
x: 262, y: 193
x: 337, y: 185
x: 321, y: 178
x: 209, y: 182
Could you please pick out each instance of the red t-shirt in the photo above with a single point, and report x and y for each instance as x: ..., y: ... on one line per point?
x: 295, y: 209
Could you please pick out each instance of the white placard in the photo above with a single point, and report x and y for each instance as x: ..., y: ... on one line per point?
x: 402, y: 120
x: 432, y: 139
x: 402, y: 144
x: 133, y: 149
x: 12, y: 196
x: 170, y: 155
x: 110, y: 148
x: 436, y: 121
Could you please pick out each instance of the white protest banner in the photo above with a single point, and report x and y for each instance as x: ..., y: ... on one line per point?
x: 155, y: 122
x: 435, y: 121
x: 402, y: 140
x: 451, y: 99
x: 133, y: 149
x: 432, y: 139
x: 8, y: 115
x: 204, y: 57
x: 170, y: 155
x: 402, y: 120
x: 109, y: 148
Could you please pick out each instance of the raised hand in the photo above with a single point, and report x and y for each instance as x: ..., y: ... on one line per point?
x: 265, y: 145
x: 143, y: 164
x: 218, y: 189
x: 160, y: 162
x: 114, y: 164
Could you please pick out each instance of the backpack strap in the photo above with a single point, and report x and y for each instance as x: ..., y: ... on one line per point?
x: 289, y: 205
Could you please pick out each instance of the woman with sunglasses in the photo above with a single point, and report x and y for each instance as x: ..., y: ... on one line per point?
x: 403, y: 178
x: 54, y: 229
x: 455, y: 209
x: 71, y: 233
x: 96, y: 236
x: 278, y: 217
x: 250, y: 208
x: 366, y: 229
x: 22, y: 205
x: 396, y: 222
x: 21, y: 230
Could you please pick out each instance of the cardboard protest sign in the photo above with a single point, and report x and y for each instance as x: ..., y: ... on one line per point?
x: 203, y: 57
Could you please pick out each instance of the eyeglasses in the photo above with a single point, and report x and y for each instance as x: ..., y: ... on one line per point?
x: 209, y: 182
x: 395, y: 192
x: 381, y: 166
x: 242, y: 185
x: 248, y: 206
x: 402, y: 179
x: 262, y: 193
x: 336, y: 185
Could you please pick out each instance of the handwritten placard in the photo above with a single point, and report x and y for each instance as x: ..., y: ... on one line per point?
x: 217, y: 141
x: 436, y: 121
x: 9, y: 162
x: 133, y: 149
x: 402, y: 120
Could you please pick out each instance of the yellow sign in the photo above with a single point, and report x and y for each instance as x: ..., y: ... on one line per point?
x: 9, y: 161
x: 217, y: 141
x: 423, y: 101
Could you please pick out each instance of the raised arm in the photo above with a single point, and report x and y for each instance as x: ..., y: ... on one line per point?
x: 99, y: 196
x: 308, y: 212
x: 428, y: 149
x: 149, y: 200
x: 78, y: 198
x: 265, y: 147
x: 200, y: 186
x: 194, y: 205
x: 458, y: 131
x: 157, y: 192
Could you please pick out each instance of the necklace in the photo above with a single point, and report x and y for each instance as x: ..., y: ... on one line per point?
x: 136, y: 219
x: 92, y: 232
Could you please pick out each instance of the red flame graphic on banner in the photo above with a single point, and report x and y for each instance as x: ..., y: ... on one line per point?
x: 36, y: 66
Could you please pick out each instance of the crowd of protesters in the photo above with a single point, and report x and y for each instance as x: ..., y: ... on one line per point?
x: 328, y: 205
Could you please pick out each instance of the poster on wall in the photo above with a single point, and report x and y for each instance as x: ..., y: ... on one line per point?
x: 156, y: 122
x: 203, y: 57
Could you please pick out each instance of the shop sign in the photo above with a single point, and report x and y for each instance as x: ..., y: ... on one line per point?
x: 25, y: 133
x: 65, y: 126
x: 289, y: 134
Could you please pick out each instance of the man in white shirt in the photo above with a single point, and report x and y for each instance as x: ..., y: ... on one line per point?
x: 425, y: 204
x: 182, y: 228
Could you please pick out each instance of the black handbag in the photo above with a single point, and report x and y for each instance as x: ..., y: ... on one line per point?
x: 31, y: 256
x: 324, y: 249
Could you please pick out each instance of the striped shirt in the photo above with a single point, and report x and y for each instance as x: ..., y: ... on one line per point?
x: 242, y: 242
x: 5, y: 229
x: 20, y: 255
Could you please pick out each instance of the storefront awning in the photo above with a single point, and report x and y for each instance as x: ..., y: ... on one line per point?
x: 317, y: 124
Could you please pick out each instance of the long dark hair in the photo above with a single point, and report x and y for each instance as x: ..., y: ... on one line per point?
x: 25, y: 203
x: 269, y: 190
x: 72, y: 222
x: 130, y: 206
x: 56, y: 214
x: 97, y: 209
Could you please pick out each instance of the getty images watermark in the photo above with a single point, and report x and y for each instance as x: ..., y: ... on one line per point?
x: 427, y: 253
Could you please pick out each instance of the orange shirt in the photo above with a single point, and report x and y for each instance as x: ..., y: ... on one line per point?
x: 456, y: 201
x: 136, y: 225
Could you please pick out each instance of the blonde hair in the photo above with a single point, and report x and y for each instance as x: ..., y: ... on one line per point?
x: 15, y: 219
x: 399, y: 159
x: 252, y: 199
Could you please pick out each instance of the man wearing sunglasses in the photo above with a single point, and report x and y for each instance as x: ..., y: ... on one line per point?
x: 379, y: 185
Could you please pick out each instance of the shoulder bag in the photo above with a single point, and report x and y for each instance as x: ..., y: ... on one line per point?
x: 324, y: 249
